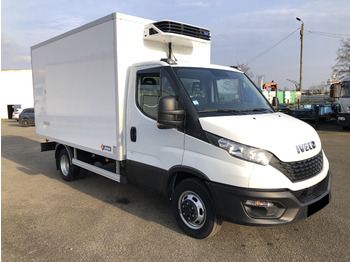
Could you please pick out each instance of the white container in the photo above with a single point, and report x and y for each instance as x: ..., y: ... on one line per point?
x: 80, y: 79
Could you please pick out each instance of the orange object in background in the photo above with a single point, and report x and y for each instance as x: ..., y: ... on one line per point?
x: 272, y: 85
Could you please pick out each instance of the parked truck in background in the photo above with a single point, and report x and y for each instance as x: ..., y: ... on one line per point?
x: 142, y: 96
x: 341, y: 91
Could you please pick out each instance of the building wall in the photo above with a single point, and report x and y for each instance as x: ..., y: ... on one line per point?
x: 16, y: 88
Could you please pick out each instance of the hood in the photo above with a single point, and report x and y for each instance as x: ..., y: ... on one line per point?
x: 288, y: 138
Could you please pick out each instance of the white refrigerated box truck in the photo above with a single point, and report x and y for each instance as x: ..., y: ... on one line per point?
x: 142, y: 98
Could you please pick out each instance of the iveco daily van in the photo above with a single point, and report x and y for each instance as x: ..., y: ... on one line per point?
x: 143, y: 97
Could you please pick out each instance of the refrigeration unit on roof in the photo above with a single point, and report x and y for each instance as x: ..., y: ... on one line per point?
x: 176, y: 33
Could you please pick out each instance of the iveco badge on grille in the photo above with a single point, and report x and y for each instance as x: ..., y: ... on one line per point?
x: 306, y: 147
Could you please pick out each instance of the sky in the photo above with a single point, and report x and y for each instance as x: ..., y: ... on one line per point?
x: 263, y: 34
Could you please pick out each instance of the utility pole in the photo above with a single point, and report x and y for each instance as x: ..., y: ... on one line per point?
x: 301, y: 52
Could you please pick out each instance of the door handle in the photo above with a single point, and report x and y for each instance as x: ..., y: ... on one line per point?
x: 133, y: 134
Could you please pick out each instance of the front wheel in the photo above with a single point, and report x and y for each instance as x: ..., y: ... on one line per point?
x: 194, y: 210
x: 68, y: 171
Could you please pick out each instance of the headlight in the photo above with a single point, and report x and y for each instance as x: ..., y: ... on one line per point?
x: 248, y: 153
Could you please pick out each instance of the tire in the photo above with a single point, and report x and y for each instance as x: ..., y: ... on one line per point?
x: 25, y: 122
x: 194, y: 209
x: 68, y: 171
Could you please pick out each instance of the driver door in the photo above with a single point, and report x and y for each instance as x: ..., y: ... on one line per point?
x: 151, y: 151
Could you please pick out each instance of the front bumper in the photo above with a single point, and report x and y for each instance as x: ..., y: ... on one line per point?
x: 288, y: 206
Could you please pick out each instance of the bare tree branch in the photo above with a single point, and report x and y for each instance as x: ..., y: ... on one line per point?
x: 246, y: 69
x: 342, y: 67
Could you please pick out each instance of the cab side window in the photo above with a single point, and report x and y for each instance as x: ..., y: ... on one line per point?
x: 150, y: 87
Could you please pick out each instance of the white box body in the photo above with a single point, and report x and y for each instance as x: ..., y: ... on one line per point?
x: 79, y: 81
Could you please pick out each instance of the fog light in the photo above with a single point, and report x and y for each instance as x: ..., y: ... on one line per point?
x: 263, y: 209
x: 341, y: 118
x: 259, y: 203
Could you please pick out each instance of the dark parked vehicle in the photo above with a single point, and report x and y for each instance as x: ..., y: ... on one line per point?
x: 26, y: 118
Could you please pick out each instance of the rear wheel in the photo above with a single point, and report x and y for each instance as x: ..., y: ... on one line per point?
x: 194, y: 210
x: 68, y: 171
x: 25, y: 122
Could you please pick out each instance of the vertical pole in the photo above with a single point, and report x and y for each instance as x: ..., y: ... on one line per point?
x: 301, y: 56
x: 170, y: 51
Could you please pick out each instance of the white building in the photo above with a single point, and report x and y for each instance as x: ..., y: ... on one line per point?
x: 16, y: 90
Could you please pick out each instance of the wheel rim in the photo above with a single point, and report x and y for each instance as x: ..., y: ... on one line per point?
x: 25, y: 122
x: 64, y: 164
x: 192, y: 210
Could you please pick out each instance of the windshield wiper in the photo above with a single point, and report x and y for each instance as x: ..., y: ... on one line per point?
x: 223, y: 111
x: 257, y: 110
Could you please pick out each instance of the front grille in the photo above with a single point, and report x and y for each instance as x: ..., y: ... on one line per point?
x: 311, y: 193
x: 300, y: 170
x: 182, y: 29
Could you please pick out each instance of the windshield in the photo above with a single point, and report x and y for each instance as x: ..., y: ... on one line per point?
x: 222, y: 91
x: 345, y: 89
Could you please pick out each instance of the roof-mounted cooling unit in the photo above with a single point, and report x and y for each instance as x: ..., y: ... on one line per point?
x: 177, y: 33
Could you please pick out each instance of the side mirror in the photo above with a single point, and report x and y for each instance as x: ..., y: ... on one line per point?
x: 169, y: 114
x: 332, y: 91
x: 275, y: 103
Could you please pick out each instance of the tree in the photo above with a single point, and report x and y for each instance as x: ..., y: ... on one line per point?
x: 342, y: 66
x: 245, y: 69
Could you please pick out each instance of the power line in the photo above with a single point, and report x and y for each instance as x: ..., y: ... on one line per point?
x: 267, y: 50
x: 309, y: 31
x: 327, y: 34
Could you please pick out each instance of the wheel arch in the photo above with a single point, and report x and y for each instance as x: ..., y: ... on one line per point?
x: 180, y: 173
x: 59, y: 148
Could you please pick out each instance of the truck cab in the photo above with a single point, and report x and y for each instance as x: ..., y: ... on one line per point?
x: 210, y: 158
x: 344, y: 104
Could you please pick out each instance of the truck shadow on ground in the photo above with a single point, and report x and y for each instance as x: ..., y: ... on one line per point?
x: 147, y: 205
